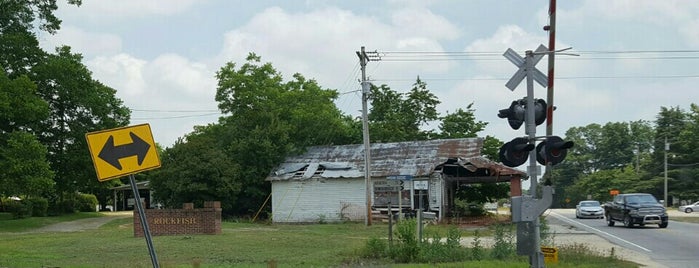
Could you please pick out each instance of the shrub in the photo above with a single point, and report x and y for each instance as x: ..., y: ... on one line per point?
x: 375, y: 248
x: 39, y: 206
x: 19, y: 209
x: 408, y: 248
x: 86, y: 202
x: 476, y: 247
x: 504, y: 246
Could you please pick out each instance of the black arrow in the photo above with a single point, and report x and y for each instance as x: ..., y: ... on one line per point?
x: 111, y: 154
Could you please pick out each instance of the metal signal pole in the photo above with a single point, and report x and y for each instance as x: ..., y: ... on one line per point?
x: 549, y: 92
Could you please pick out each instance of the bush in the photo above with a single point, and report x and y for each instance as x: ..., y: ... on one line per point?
x: 65, y: 206
x: 39, y: 206
x: 408, y: 248
x: 375, y: 248
x: 86, y: 202
x: 19, y: 209
x: 504, y: 242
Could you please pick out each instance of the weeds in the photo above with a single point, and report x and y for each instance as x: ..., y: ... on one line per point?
x: 476, y: 247
x: 504, y: 246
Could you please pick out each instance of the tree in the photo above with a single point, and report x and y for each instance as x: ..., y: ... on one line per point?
x: 616, y: 145
x: 78, y: 104
x: 266, y: 120
x: 461, y: 124
x: 24, y: 170
x: 66, y: 101
x: 395, y: 117
x: 197, y: 169
x: 19, y: 48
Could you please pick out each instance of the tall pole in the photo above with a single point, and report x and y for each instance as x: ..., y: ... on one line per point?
x: 144, y: 222
x: 536, y: 259
x: 549, y: 91
x: 667, y: 148
x: 363, y: 59
x: 552, y: 48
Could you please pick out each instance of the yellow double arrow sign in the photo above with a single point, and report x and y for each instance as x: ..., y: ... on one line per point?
x: 122, y: 151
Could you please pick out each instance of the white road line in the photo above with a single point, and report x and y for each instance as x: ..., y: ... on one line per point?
x: 561, y: 217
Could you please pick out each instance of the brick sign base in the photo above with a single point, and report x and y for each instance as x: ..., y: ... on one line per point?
x: 188, y: 220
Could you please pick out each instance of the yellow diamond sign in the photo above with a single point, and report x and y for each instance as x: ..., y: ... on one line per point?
x: 122, y: 151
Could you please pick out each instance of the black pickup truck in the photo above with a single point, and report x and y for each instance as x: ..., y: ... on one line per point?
x: 636, y: 208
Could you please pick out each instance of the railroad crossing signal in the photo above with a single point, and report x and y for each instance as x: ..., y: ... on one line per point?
x: 122, y: 151
x: 520, y: 62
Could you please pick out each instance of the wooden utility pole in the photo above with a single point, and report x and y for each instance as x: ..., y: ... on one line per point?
x: 363, y: 59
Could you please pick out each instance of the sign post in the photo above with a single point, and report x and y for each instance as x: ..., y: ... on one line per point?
x: 527, y: 209
x: 126, y: 151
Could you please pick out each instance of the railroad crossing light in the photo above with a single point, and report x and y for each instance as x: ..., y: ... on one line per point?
x: 539, y: 111
x: 515, y: 114
x: 552, y: 150
x: 515, y: 152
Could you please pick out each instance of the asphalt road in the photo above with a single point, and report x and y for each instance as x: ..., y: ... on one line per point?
x: 675, y: 246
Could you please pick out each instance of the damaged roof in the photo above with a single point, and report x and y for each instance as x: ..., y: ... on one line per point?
x: 413, y: 158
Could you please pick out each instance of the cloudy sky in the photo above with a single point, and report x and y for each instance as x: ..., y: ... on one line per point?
x: 162, y: 55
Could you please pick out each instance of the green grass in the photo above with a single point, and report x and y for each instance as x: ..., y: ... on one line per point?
x: 21, y: 225
x: 240, y: 245
x: 686, y: 219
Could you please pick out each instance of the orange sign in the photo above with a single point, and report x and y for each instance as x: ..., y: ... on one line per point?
x: 614, y: 192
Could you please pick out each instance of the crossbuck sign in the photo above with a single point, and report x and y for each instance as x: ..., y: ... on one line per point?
x: 537, y: 75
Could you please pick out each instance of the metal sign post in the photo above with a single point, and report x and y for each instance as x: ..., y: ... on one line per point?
x: 144, y: 222
x: 126, y: 151
x: 525, y: 211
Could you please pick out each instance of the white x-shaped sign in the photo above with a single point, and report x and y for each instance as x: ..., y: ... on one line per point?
x: 537, y: 75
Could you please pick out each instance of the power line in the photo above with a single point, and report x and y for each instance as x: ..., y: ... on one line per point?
x: 402, y: 56
x: 172, y: 111
x: 174, y: 117
x: 563, y: 77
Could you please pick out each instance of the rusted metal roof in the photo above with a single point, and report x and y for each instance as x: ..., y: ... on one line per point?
x: 414, y: 158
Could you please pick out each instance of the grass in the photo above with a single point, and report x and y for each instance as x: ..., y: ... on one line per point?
x: 240, y: 245
x: 20, y: 225
x: 685, y: 219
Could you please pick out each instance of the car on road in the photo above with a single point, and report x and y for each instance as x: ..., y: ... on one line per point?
x: 636, y: 208
x: 589, y: 209
x: 690, y: 208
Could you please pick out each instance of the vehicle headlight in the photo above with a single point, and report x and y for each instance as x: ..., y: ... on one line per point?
x: 633, y: 211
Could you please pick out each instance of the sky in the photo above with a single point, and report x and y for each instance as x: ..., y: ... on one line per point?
x: 635, y: 56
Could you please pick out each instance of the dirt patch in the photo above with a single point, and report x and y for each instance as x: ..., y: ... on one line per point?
x: 82, y: 224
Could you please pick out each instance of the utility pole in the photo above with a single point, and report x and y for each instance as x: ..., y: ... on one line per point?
x: 366, y: 90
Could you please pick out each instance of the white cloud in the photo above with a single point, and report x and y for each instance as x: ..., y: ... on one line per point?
x: 83, y: 42
x: 132, y: 8
x: 422, y: 22
x: 122, y: 72
x: 180, y: 76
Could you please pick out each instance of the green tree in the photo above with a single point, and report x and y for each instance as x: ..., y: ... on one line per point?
x: 681, y: 129
x: 24, y: 169
x: 197, y: 169
x: 19, y: 47
x: 460, y: 124
x: 616, y: 145
x: 78, y: 104
x: 395, y: 117
x: 267, y: 119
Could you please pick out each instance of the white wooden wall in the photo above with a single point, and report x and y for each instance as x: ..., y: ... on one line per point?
x: 315, y: 200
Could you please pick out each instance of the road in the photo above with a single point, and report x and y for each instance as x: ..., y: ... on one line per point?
x: 674, y: 247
